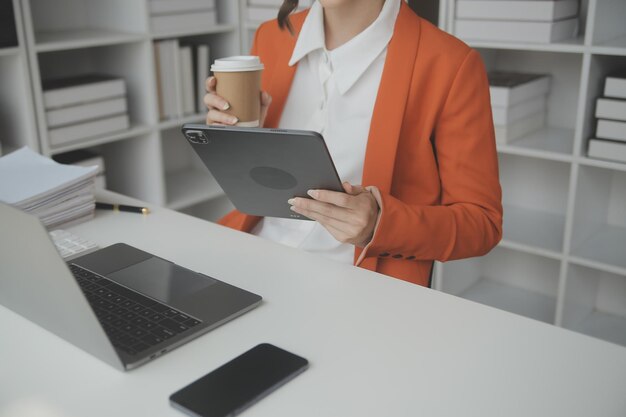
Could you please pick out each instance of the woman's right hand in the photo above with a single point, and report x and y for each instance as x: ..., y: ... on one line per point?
x: 217, y: 106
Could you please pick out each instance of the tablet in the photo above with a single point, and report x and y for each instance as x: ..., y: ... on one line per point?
x: 260, y: 169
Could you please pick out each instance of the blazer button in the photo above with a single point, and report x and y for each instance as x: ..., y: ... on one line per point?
x: 398, y: 256
x: 384, y: 254
x: 410, y: 258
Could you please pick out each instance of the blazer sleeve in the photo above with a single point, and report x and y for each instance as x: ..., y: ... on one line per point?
x: 468, y: 222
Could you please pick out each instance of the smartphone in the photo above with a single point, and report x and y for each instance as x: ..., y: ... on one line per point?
x: 238, y: 384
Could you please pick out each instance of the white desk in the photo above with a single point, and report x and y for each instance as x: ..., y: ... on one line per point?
x: 377, y: 346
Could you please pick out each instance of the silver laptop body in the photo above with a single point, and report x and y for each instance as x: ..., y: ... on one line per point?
x: 165, y: 303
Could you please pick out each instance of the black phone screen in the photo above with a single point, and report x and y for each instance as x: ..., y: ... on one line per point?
x: 238, y: 384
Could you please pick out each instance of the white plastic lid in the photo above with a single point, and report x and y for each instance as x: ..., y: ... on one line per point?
x: 237, y: 64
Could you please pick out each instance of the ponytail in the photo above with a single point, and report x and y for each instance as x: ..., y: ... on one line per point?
x: 286, y: 9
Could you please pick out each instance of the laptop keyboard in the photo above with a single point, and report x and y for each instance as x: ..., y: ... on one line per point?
x: 132, y: 321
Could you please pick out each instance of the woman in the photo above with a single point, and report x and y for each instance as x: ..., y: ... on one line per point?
x: 405, y: 111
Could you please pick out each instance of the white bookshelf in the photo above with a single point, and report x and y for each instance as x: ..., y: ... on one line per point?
x: 562, y: 259
x: 151, y: 160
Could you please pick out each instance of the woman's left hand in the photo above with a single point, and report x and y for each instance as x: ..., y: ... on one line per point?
x: 350, y: 217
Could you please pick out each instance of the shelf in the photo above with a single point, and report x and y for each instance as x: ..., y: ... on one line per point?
x: 11, y: 51
x: 556, y: 144
x: 605, y: 326
x: 540, y: 231
x: 600, y: 163
x: 606, y: 245
x: 575, y: 45
x: 219, y: 28
x: 60, y: 40
x: 190, y: 187
x: 195, y: 118
x: 114, y: 137
x: 515, y: 300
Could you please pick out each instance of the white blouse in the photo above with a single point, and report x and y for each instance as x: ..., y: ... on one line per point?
x: 333, y: 93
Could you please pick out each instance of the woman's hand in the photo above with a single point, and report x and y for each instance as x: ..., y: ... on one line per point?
x: 350, y: 217
x: 217, y: 105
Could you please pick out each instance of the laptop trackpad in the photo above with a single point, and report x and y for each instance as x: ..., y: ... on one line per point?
x: 161, y: 280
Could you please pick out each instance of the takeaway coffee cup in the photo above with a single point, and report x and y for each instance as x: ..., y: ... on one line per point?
x: 239, y: 83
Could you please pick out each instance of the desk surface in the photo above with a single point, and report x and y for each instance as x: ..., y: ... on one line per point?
x: 377, y: 346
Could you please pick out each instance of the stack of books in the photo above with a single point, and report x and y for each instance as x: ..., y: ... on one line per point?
x: 610, y: 140
x: 518, y: 103
x: 260, y: 11
x: 181, y: 73
x: 535, y: 21
x: 181, y: 16
x: 8, y: 35
x: 79, y: 108
x: 57, y: 194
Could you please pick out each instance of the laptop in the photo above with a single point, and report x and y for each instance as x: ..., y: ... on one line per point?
x: 120, y: 304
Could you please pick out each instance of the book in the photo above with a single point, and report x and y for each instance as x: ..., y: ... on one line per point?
x: 611, y: 129
x: 8, y: 34
x: 169, y: 78
x: 516, y: 31
x: 520, y: 128
x: 183, y: 22
x: 615, y: 85
x: 92, y: 128
x: 156, y: 7
x: 70, y: 91
x: 159, y: 83
x: 93, y: 110
x: 528, y: 10
x: 508, y: 88
x: 607, y: 149
x: 502, y: 116
x: 608, y: 108
x: 202, y: 62
x: 186, y: 79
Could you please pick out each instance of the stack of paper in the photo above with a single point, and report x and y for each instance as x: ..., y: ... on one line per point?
x: 85, y: 106
x: 260, y: 11
x: 179, y: 16
x: 181, y: 73
x: 518, y: 103
x: 56, y: 193
x: 610, y: 140
x: 538, y: 21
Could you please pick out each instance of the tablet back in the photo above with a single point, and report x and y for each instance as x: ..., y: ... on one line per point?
x: 260, y: 169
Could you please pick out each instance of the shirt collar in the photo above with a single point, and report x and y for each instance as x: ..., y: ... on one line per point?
x: 351, y: 59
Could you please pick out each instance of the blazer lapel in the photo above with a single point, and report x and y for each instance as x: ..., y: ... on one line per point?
x: 389, y: 107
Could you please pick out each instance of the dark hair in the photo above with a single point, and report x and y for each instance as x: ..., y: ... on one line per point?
x: 287, y: 7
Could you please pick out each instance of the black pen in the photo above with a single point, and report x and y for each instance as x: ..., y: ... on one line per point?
x: 122, y: 207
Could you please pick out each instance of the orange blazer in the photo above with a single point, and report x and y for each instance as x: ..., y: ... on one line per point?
x: 431, y: 149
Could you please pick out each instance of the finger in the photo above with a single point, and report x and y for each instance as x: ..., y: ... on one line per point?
x: 215, y: 116
x: 266, y: 100
x: 353, y: 189
x: 332, y: 197
x: 327, y: 209
x: 210, y: 84
x: 214, y: 101
x: 325, y: 221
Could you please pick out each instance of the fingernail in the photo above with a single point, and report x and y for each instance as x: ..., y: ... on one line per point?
x: 234, y: 120
x: 226, y: 106
x: 292, y: 208
x: 312, y: 193
x: 291, y: 201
